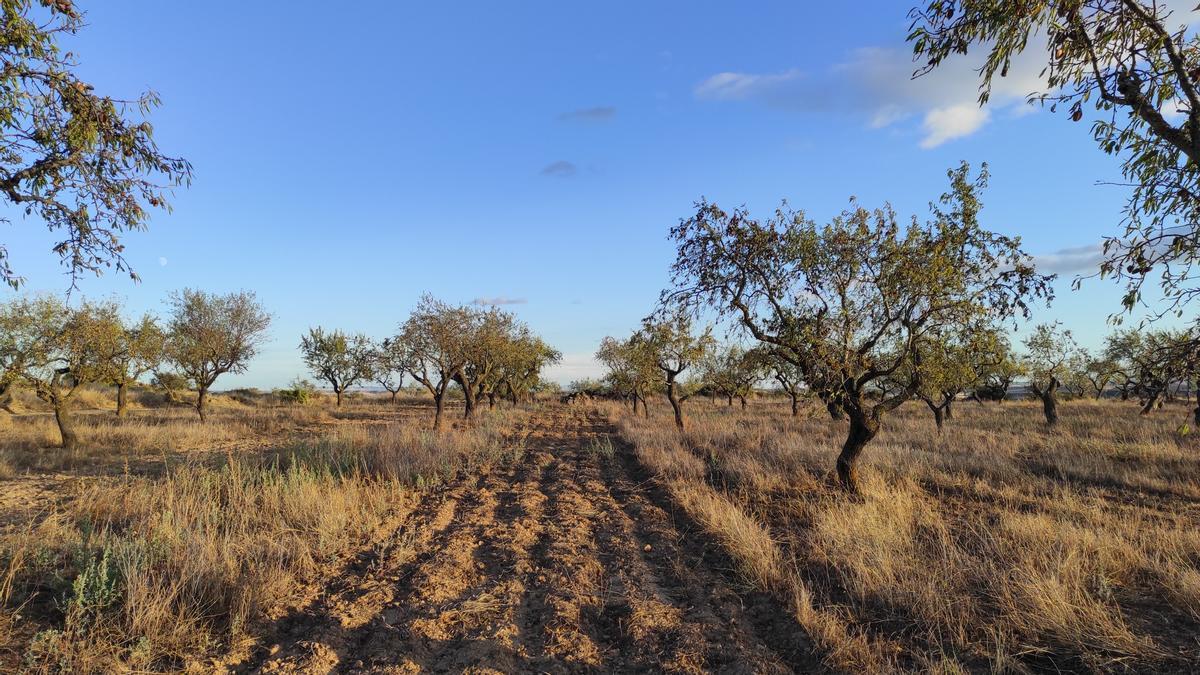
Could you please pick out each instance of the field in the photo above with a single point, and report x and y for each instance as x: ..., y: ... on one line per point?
x: 578, y: 538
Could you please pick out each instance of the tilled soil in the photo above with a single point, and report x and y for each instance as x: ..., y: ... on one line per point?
x: 565, y: 560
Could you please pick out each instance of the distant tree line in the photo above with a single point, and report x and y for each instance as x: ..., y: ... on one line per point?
x: 486, y: 352
x: 56, y: 349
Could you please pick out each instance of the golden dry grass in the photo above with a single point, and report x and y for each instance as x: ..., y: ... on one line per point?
x: 997, y: 546
x: 164, y: 565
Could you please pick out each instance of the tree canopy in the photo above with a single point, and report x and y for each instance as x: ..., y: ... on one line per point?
x: 1137, y: 66
x: 850, y: 302
x: 83, y: 163
x: 211, y: 334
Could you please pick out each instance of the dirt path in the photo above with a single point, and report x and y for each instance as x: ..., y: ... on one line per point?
x: 565, y: 561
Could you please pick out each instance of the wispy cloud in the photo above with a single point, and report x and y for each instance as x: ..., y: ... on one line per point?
x: 877, y: 85
x: 601, y: 113
x: 560, y: 169
x: 498, y: 300
x: 777, y: 88
x: 1071, y: 260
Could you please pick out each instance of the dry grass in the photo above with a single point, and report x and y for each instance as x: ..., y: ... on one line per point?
x: 997, y: 546
x: 160, y: 570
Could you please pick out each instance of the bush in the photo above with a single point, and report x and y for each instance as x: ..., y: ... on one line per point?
x: 300, y: 392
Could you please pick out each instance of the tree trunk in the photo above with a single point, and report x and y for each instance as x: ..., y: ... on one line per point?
x: 939, y: 415
x: 645, y: 408
x: 394, y: 396
x: 795, y: 405
x: 634, y: 399
x: 468, y: 403
x: 1151, y: 403
x: 439, y: 404
x: 1196, y: 413
x: 66, y: 427
x: 743, y: 402
x: 862, y: 429
x: 338, y: 391
x: 676, y: 404
x: 121, y: 399
x: 949, y: 403
x: 835, y: 410
x: 1050, y: 402
x: 729, y: 401
x: 491, y: 400
x: 201, y: 399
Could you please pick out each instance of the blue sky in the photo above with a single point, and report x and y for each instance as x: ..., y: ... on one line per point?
x: 348, y: 160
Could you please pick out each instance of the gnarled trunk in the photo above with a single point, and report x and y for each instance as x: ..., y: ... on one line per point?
x: 121, y: 399
x: 743, y: 398
x: 795, y: 405
x: 394, y: 396
x: 676, y: 404
x: 863, y: 429
x: 338, y: 392
x: 439, y: 405
x: 1049, y: 398
x: 201, y: 400
x: 66, y: 426
x: 1155, y: 400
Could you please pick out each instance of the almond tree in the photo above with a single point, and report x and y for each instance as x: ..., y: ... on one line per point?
x: 58, y: 350
x: 487, y: 335
x: 952, y: 361
x: 850, y: 302
x: 210, y: 335
x: 632, y: 369
x: 1051, y: 353
x: 676, y: 349
x: 84, y: 164
x: 339, y: 359
x: 732, y: 371
x: 789, y: 377
x: 136, y: 350
x: 435, y: 347
x: 388, y: 365
x: 1151, y: 362
x: 999, y: 378
x: 1138, y: 66
x: 521, y: 364
x: 1099, y: 371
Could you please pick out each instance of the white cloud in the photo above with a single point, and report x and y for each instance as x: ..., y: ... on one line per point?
x: 944, y: 124
x: 877, y: 84
x: 1071, y: 260
x: 498, y: 300
x: 162, y: 262
x: 740, y: 86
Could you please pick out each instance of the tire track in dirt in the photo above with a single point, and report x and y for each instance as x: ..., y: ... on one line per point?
x: 563, y: 561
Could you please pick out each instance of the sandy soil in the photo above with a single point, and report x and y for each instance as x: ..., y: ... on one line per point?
x: 567, y: 560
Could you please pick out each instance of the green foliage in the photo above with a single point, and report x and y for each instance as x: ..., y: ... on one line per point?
x: 210, y: 335
x: 84, y: 164
x: 1052, y: 357
x: 339, y: 359
x: 97, y: 588
x: 632, y: 366
x: 53, y: 348
x: 1138, y: 66
x: 732, y: 370
x: 299, y: 392
x: 851, y: 302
